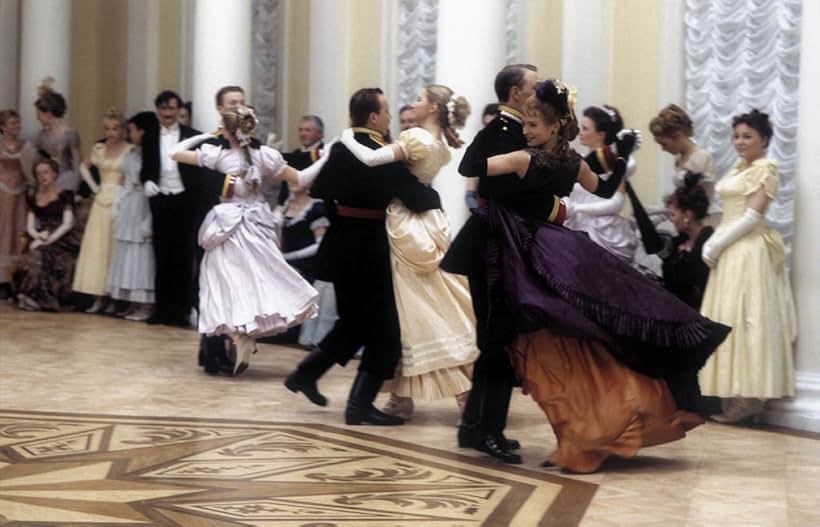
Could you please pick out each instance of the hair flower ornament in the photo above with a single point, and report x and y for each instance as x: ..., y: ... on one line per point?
x: 451, y: 109
x: 247, y: 125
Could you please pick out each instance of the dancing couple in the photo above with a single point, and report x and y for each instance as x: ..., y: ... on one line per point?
x: 382, y: 253
x: 611, y: 358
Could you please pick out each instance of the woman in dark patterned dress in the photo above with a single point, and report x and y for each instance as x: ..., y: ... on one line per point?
x: 44, y: 273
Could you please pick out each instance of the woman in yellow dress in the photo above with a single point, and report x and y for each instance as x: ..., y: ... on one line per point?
x: 748, y: 286
x: 91, y: 275
x: 435, y: 308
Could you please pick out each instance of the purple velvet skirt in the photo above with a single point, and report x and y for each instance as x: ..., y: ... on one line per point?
x: 542, y: 275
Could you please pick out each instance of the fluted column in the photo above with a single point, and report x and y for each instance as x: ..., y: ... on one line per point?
x: 222, y: 54
x: 9, y: 13
x: 586, y: 54
x: 467, y: 61
x: 329, y: 58
x: 804, y: 411
x: 45, y: 51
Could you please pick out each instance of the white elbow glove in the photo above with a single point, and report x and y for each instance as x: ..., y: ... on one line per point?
x: 308, y: 175
x: 603, y: 207
x: 719, y: 241
x: 305, y: 252
x: 187, y: 144
x: 150, y: 189
x: 368, y: 156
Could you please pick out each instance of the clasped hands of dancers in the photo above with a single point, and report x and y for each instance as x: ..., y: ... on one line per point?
x: 611, y: 358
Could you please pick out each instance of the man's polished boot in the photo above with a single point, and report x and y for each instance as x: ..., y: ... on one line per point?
x: 307, y: 374
x: 213, y: 355
x: 360, y: 409
x: 489, y: 444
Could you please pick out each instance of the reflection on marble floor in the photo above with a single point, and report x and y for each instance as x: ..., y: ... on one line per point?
x: 83, y: 364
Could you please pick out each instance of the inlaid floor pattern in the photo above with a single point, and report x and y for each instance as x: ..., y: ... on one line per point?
x: 84, y: 470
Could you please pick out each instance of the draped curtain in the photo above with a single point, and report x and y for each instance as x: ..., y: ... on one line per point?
x: 744, y: 54
x: 416, y: 47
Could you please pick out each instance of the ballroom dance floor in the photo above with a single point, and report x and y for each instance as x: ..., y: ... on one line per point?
x: 109, y: 422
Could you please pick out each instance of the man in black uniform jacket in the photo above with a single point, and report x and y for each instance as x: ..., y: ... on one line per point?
x: 355, y: 256
x: 311, y: 138
x: 485, y: 414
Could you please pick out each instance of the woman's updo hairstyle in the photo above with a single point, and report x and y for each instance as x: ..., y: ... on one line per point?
x: 607, y: 119
x: 671, y: 120
x: 48, y: 100
x: 690, y: 196
x: 554, y: 101
x: 758, y: 120
x: 241, y: 123
x: 453, y: 111
x: 112, y: 114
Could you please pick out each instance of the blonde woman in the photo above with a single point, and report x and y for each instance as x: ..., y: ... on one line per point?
x: 435, y: 310
x: 91, y: 275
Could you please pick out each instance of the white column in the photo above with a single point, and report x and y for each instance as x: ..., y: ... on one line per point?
x: 468, y: 56
x: 45, y: 51
x: 9, y: 14
x: 143, y: 55
x: 586, y: 51
x: 329, y: 57
x: 804, y: 411
x: 671, y: 81
x: 221, y: 55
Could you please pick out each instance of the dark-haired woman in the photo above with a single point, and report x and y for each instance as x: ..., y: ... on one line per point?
x: 599, y: 348
x: 42, y: 279
x: 246, y: 288
x: 133, y: 267
x: 600, y: 217
x: 56, y: 138
x: 749, y: 285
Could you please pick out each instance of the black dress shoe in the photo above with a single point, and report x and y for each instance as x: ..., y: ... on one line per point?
x: 298, y: 383
x: 509, y: 444
x: 490, y: 445
x: 370, y: 415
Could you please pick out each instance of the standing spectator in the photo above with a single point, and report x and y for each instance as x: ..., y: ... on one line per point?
x: 91, y: 275
x: 749, y: 285
x: 311, y: 140
x: 407, y: 118
x: 56, y: 137
x: 186, y: 114
x: 132, y: 271
x: 13, y: 182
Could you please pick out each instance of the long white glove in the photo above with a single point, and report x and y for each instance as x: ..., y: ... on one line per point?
x: 304, y: 252
x: 187, y: 144
x: 89, y: 179
x: 603, y: 207
x: 368, y: 156
x: 719, y: 241
x: 307, y: 175
x: 150, y: 189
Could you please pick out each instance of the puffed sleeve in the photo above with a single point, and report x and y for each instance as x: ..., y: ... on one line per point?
x: 415, y: 142
x: 207, y: 155
x: 67, y: 198
x: 273, y: 164
x: 97, y: 154
x: 762, y: 172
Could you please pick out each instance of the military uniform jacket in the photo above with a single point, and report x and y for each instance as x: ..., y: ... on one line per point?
x: 502, y: 135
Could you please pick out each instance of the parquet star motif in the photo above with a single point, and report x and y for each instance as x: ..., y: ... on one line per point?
x: 90, y: 470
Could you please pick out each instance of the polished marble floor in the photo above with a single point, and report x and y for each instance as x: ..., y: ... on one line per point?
x: 94, y: 373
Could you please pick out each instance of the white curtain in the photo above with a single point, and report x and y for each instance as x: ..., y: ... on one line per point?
x: 744, y: 54
x: 416, y: 47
